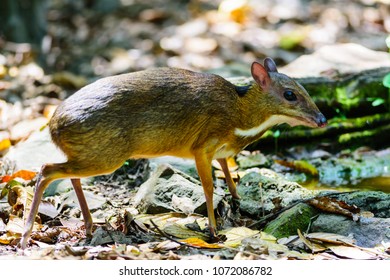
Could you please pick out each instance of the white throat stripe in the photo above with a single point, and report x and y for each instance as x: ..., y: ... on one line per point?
x: 270, y: 122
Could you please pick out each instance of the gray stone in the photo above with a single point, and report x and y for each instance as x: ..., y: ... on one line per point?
x: 259, y: 190
x: 34, y: 152
x: 345, y: 58
x: 368, y: 232
x: 169, y: 189
x: 376, y: 202
x: 185, y: 165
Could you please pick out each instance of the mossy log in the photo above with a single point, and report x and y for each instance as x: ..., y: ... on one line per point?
x: 373, y: 130
x: 349, y: 94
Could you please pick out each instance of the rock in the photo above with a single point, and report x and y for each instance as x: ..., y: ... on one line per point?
x: 349, y: 169
x: 35, y: 151
x: 184, y: 165
x: 23, y: 129
x: 376, y: 202
x: 286, y: 224
x: 70, y: 199
x: 368, y: 232
x: 253, y: 160
x: 102, y: 236
x: 344, y: 58
x: 169, y: 189
x: 263, y: 190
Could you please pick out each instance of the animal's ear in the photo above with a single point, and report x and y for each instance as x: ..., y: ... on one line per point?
x: 270, y: 65
x: 260, y: 75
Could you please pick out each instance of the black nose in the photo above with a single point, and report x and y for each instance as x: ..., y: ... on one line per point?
x: 321, y: 120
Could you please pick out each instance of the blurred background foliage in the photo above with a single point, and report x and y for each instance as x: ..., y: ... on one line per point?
x: 106, y: 37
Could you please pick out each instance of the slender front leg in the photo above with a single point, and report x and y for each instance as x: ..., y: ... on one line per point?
x: 203, y: 165
x: 228, y: 177
x: 88, y: 223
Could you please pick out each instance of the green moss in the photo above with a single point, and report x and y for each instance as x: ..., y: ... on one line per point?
x: 287, y: 223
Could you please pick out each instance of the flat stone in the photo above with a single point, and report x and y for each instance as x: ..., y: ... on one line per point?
x: 368, y: 232
x: 37, y: 150
x: 169, y: 189
x: 263, y: 190
x: 23, y: 129
x: 375, y: 202
x: 343, y: 58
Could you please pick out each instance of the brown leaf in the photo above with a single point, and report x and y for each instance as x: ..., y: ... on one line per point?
x: 49, y: 236
x: 313, y: 246
x: 334, y: 206
x: 330, y: 238
x: 76, y: 252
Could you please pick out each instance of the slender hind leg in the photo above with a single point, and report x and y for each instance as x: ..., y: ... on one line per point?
x: 83, y: 206
x: 70, y: 169
x: 48, y: 174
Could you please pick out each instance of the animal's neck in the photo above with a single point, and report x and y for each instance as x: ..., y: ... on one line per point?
x: 254, y: 109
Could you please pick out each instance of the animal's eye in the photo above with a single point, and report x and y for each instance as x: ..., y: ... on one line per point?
x: 289, y: 95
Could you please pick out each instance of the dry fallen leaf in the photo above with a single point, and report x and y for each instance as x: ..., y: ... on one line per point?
x: 197, y: 242
x: 23, y: 174
x: 15, y: 225
x: 313, y: 246
x: 234, y: 236
x: 330, y: 238
x: 19, y: 198
x: 300, y: 165
x: 180, y: 231
x: 352, y: 253
x: 7, y: 238
x: 335, y: 206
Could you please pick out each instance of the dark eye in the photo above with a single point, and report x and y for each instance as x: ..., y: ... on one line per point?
x: 289, y: 95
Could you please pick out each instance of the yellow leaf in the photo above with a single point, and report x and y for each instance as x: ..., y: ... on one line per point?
x: 300, y: 165
x: 234, y: 236
x: 267, y: 236
x: 7, y: 238
x: 196, y: 242
x: 5, y: 144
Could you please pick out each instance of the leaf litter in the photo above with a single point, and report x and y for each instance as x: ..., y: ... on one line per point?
x: 135, y: 235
